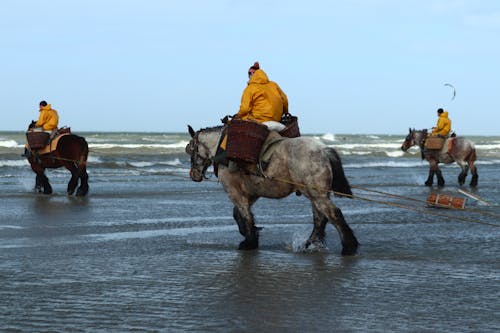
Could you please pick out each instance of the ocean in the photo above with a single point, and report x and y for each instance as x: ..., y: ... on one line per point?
x: 149, y: 250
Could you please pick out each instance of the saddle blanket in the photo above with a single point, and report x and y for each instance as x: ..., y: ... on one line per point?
x: 50, y: 147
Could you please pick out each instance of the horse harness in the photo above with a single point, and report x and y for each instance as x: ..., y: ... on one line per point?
x: 193, y: 150
x: 48, y: 150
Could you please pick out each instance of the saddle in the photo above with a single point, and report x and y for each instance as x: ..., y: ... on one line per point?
x: 43, y: 142
x: 434, y: 142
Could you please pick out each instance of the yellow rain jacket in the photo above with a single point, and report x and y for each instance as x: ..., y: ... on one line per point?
x: 443, y: 126
x: 49, y: 119
x: 262, y: 100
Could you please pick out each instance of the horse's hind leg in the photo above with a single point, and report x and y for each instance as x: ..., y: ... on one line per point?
x: 463, y: 173
x: 334, y: 214
x: 73, y: 182
x: 475, y: 176
x: 84, y: 183
x: 318, y: 233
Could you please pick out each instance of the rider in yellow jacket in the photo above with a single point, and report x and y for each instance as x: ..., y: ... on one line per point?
x: 262, y: 100
x: 48, y: 119
x: 443, y: 126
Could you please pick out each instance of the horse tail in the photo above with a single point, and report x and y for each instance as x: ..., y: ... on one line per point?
x: 340, y: 184
x: 81, y: 149
x: 471, y: 157
x: 85, y: 152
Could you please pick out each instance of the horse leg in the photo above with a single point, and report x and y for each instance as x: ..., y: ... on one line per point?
x: 244, y: 218
x: 318, y: 233
x: 43, y: 182
x: 334, y: 214
x: 463, y: 173
x: 84, y: 183
x: 439, y: 177
x: 239, y: 221
x: 430, y: 178
x: 471, y: 158
x: 434, y: 170
x: 38, y: 183
x: 73, y: 182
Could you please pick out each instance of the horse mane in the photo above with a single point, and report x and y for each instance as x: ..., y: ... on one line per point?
x: 211, y: 129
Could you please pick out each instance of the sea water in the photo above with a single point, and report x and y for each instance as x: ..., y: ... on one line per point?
x: 150, y: 250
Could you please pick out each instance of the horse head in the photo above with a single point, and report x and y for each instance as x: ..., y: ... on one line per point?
x: 414, y: 138
x: 32, y: 125
x: 200, y: 153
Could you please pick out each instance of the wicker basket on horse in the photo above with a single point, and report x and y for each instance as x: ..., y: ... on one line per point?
x: 292, y: 126
x: 434, y: 142
x: 245, y: 140
x: 37, y: 140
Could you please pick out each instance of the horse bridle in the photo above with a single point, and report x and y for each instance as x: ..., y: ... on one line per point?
x: 197, y: 161
x: 411, y: 138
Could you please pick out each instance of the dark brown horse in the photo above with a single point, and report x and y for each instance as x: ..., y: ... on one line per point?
x: 297, y: 164
x: 71, y: 152
x: 455, y: 149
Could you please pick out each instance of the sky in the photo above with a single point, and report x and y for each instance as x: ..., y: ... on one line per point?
x: 347, y: 67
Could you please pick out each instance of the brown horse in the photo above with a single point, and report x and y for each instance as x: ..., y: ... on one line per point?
x: 297, y: 164
x: 71, y: 152
x: 455, y: 149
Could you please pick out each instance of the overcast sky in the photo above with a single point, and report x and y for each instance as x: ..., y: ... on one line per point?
x: 359, y: 66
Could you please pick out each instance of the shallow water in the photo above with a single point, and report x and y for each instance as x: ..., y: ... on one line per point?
x: 149, y: 250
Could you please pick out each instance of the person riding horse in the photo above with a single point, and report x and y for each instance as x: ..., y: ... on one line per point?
x: 443, y: 126
x: 262, y: 101
x: 48, y: 119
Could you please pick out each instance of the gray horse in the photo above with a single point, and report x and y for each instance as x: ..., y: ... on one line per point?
x: 460, y: 150
x: 297, y: 164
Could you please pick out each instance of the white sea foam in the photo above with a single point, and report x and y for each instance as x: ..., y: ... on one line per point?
x: 328, y: 137
x: 180, y: 144
x: 144, y: 164
x: 397, y: 153
x: 487, y: 146
x: 93, y: 159
x: 9, y: 144
x: 388, y: 164
x: 14, y: 163
x: 384, y: 145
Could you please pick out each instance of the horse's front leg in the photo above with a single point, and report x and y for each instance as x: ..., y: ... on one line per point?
x: 38, y: 184
x: 434, y: 170
x: 439, y: 176
x: 42, y: 182
x: 244, y: 218
x: 430, y: 178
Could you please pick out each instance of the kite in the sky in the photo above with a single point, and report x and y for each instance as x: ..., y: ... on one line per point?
x: 454, y: 90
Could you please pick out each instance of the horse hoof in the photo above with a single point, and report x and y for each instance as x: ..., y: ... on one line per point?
x: 428, y: 183
x: 314, y: 245
x: 81, y: 192
x: 350, y: 249
x: 441, y: 184
x: 249, y: 245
